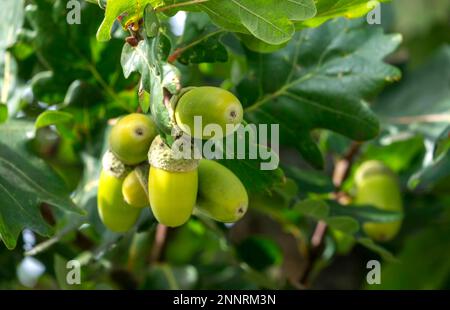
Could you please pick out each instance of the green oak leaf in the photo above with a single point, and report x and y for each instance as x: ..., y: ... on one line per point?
x: 69, y: 54
x: 380, y: 250
x: 345, y: 224
x: 328, y: 9
x: 421, y: 103
x: 48, y: 118
x: 249, y: 170
x: 414, y: 270
x: 3, y: 112
x: 434, y: 174
x: 364, y: 213
x: 201, y: 41
x: 134, y: 9
x: 320, y: 81
x: 25, y: 182
x: 156, y: 75
x: 268, y: 20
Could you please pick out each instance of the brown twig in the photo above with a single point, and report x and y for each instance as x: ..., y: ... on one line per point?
x: 340, y: 174
x: 342, y: 167
x: 427, y: 118
x: 174, y: 56
x: 160, y: 241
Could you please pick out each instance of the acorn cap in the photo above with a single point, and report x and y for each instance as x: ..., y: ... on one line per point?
x: 372, y: 168
x: 112, y: 165
x: 161, y: 156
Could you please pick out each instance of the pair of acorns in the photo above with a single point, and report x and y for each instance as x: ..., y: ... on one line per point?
x: 140, y: 170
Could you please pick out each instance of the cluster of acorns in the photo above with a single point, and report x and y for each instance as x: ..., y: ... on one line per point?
x: 140, y: 170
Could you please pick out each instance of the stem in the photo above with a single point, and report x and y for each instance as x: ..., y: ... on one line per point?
x: 48, y: 243
x: 259, y: 103
x: 176, y: 5
x: 342, y: 167
x: 317, y: 238
x: 340, y: 174
x: 177, y: 53
x: 427, y: 118
x: 173, y: 285
x: 276, y: 94
x: 160, y: 240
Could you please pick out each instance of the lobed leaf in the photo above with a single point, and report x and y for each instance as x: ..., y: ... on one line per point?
x: 320, y: 80
x: 25, y: 182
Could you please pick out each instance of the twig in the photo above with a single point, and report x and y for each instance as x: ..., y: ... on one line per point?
x: 342, y: 167
x: 427, y: 118
x: 319, y: 232
x: 340, y: 173
x: 49, y: 242
x: 160, y: 240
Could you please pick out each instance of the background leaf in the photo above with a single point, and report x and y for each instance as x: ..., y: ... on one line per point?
x: 346, y: 224
x: 259, y: 252
x: 317, y: 209
x: 327, y: 9
x: 53, y: 118
x: 385, y: 254
x: 424, y: 109
x: 25, y: 181
x: 3, y: 112
x: 267, y: 20
x: 250, y: 170
x: 415, y: 270
x: 320, y: 80
x: 364, y: 213
x: 204, y: 38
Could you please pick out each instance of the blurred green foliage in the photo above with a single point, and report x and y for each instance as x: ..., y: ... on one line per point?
x: 60, y: 87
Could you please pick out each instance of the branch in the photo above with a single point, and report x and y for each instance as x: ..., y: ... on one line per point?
x: 41, y: 247
x: 177, y: 5
x: 340, y: 174
x: 342, y: 167
x: 427, y: 118
x: 160, y: 241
